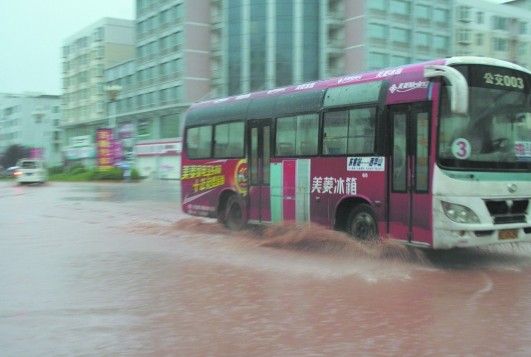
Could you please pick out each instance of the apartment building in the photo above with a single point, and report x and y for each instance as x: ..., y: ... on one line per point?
x: 383, y: 33
x: 32, y: 120
x: 86, y: 54
x: 487, y: 29
x: 170, y: 70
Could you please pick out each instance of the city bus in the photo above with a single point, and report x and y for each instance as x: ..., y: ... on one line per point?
x: 434, y: 154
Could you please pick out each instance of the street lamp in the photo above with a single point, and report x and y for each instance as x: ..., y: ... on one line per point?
x: 112, y: 93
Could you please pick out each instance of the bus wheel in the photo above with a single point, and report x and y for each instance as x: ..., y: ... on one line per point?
x: 234, y: 218
x: 361, y: 223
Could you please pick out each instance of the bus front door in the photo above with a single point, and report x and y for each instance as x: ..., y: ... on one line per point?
x: 258, y: 158
x: 409, y: 200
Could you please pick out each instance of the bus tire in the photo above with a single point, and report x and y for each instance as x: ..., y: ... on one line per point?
x: 234, y: 216
x: 361, y: 223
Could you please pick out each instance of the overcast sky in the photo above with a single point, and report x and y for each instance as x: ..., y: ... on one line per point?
x: 32, y: 33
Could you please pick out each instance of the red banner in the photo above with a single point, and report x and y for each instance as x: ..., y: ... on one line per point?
x: 104, y: 146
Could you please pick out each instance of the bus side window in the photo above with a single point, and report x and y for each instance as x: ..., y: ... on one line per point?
x: 349, y: 131
x: 361, y: 130
x: 335, y: 132
x: 297, y: 135
x: 307, y: 134
x: 229, y: 140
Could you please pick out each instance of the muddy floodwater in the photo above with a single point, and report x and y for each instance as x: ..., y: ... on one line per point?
x: 109, y: 269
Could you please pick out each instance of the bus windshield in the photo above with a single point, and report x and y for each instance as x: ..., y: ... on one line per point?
x: 496, y: 134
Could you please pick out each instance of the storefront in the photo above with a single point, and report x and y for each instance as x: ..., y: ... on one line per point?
x: 159, y: 159
x: 80, y: 151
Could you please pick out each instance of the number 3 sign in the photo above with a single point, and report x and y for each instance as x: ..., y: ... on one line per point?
x: 461, y: 148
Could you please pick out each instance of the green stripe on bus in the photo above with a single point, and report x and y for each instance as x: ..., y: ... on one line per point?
x: 302, y: 191
x: 276, y: 192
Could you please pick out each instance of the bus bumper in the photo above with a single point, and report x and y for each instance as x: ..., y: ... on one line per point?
x: 461, y: 238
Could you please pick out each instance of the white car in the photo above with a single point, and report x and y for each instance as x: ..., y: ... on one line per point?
x: 31, y: 171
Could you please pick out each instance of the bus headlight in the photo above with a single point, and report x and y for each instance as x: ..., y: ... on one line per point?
x: 459, y: 213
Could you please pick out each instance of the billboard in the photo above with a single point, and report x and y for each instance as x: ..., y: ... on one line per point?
x: 105, y: 148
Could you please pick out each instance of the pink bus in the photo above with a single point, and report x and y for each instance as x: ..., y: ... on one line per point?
x: 435, y: 154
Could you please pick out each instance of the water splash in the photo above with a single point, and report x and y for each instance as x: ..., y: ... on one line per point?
x: 315, y: 238
x: 310, y: 238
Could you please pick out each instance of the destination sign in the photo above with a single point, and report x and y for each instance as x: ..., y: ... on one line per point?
x: 497, y: 77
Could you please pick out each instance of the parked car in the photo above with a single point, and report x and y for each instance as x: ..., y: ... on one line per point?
x: 31, y: 171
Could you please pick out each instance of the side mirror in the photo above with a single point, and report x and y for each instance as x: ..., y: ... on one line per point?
x: 457, y: 90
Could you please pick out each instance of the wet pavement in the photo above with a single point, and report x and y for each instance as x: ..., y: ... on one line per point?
x: 117, y: 269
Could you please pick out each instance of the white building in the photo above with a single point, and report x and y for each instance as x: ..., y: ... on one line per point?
x: 32, y: 120
x: 486, y: 29
x: 86, y: 55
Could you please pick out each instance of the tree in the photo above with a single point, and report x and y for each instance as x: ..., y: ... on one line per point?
x: 13, y: 154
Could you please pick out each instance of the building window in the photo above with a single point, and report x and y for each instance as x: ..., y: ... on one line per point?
x: 422, y: 12
x: 98, y: 35
x: 499, y: 44
x: 284, y: 43
x: 480, y: 17
x: 377, y: 60
x: 378, y: 32
x: 463, y: 13
x: 164, y: 44
x: 399, y: 7
x: 169, y: 126
x: 258, y: 29
x: 522, y: 50
x: 234, y: 45
x: 163, y: 96
x: 499, y: 23
x: 422, y: 40
x: 441, y: 42
x: 441, y: 16
x: 463, y: 36
x: 176, y: 40
x: 177, y: 12
x: 144, y: 128
x: 400, y: 36
x: 400, y: 60
x: 479, y: 39
x: 311, y: 36
x: 380, y: 5
x: 523, y: 28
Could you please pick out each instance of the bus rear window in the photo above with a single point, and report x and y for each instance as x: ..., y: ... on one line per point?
x: 199, y: 140
x: 28, y: 165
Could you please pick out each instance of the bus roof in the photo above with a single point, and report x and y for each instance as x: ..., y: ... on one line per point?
x: 405, y: 83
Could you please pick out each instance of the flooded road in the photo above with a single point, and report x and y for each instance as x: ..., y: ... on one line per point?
x: 117, y: 269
